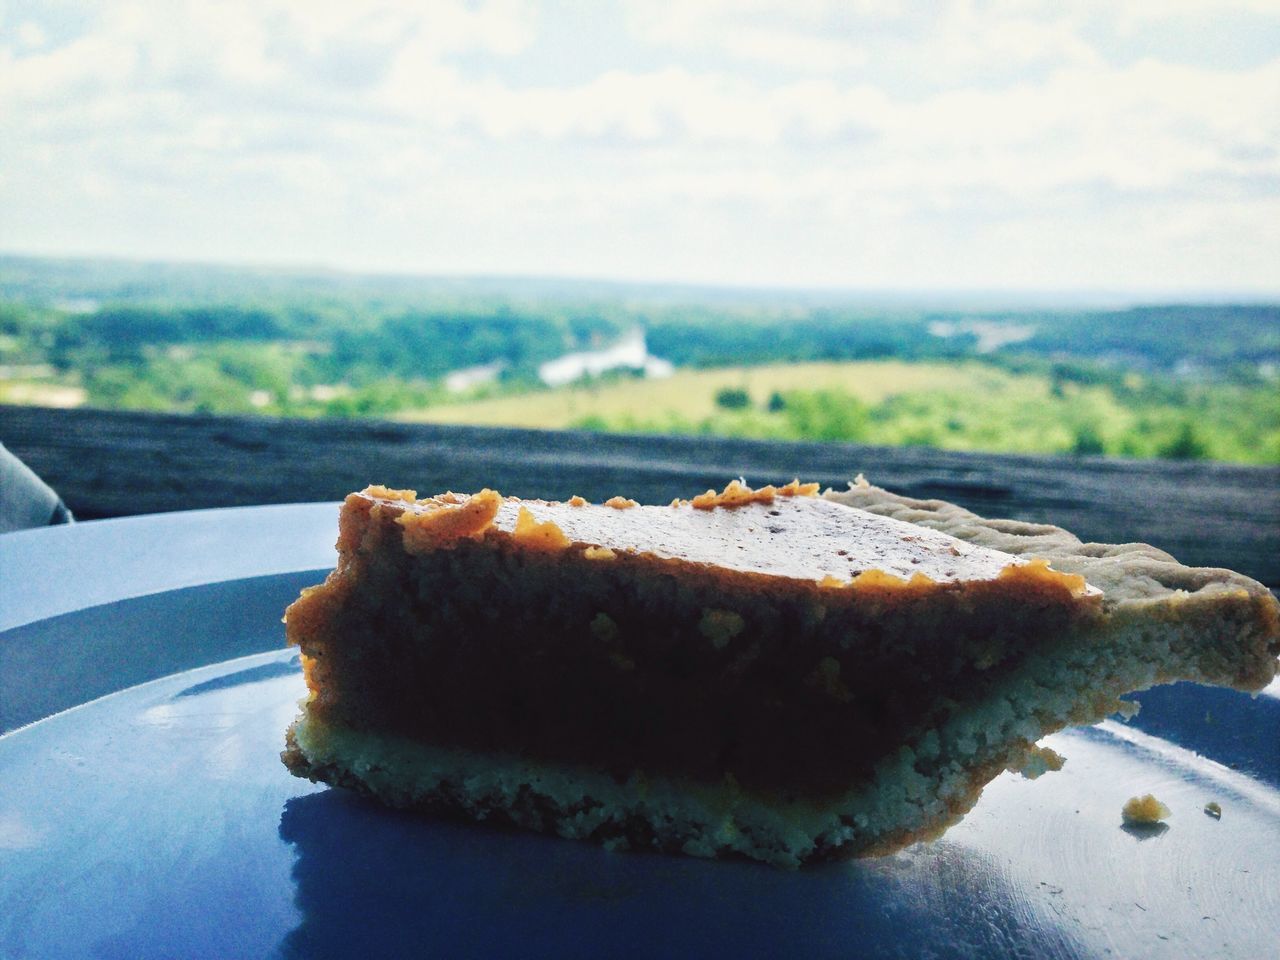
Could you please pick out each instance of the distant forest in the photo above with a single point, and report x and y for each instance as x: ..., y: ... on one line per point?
x: 187, y: 338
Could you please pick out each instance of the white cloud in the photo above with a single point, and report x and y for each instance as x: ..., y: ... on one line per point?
x: 817, y: 37
x: 31, y: 35
x: 1134, y: 15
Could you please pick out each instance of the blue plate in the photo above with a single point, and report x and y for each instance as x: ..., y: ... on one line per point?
x: 144, y: 811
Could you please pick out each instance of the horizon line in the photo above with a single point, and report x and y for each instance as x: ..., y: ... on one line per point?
x: 1128, y: 295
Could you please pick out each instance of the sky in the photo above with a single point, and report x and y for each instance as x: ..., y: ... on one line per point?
x: 863, y: 144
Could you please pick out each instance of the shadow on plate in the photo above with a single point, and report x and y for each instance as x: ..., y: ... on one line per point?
x: 374, y: 882
x: 1145, y: 831
x: 268, y: 671
x: 1233, y: 728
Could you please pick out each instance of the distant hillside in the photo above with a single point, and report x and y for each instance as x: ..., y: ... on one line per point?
x: 1187, y: 380
x: 1164, y: 336
x: 690, y: 326
x: 42, y: 281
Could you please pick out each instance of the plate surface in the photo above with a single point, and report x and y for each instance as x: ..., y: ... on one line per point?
x: 157, y: 821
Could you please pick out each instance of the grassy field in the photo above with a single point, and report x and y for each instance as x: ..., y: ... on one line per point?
x: 958, y: 406
x: 690, y: 394
x: 41, y: 394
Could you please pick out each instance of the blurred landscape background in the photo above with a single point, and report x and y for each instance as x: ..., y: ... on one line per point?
x: 993, y: 373
x: 1008, y: 227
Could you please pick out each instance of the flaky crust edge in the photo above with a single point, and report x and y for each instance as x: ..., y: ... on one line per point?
x: 1125, y: 572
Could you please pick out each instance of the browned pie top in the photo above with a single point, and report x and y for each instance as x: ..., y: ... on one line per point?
x: 780, y: 532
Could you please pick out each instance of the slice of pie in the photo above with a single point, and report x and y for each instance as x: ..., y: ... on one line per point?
x: 767, y: 672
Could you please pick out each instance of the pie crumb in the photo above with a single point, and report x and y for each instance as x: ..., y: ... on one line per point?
x: 1144, y: 810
